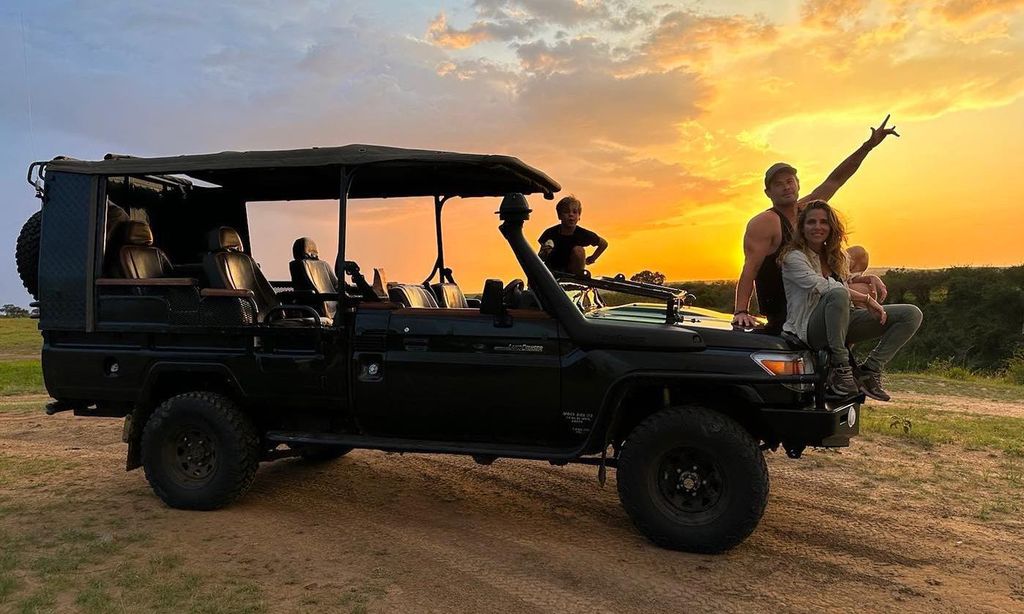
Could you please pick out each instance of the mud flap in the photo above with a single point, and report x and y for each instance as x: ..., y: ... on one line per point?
x: 132, y: 435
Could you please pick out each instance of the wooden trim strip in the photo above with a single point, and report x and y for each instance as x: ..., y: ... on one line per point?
x: 151, y: 281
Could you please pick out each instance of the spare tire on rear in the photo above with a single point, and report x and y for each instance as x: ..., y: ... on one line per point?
x: 26, y: 253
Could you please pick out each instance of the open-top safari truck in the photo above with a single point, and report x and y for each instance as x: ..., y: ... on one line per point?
x: 153, y: 309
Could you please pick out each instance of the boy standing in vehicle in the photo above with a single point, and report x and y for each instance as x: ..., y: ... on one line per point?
x: 769, y: 230
x: 562, y: 246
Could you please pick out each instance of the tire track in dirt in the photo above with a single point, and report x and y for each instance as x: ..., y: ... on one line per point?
x: 437, y: 533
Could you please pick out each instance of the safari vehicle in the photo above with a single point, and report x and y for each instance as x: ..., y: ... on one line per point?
x: 152, y: 309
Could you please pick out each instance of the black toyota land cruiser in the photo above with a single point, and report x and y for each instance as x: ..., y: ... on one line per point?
x: 153, y: 309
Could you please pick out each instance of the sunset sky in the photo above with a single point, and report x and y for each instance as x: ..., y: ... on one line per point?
x: 661, y: 117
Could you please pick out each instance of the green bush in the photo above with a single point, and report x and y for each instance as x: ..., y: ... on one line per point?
x: 945, y: 367
x: 1015, y: 368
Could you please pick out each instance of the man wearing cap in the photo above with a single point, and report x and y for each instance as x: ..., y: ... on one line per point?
x: 769, y: 230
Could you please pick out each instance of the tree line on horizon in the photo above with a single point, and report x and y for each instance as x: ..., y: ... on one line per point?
x: 973, y: 316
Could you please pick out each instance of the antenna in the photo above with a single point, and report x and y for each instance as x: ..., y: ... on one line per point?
x: 28, y: 88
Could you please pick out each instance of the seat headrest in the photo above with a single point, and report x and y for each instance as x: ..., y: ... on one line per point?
x: 115, y: 216
x: 304, y: 248
x: 225, y: 238
x: 137, y: 233
x: 380, y: 283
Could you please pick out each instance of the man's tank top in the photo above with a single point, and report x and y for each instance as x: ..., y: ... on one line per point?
x: 771, y: 295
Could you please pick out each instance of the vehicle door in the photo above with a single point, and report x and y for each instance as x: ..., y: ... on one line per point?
x: 459, y: 375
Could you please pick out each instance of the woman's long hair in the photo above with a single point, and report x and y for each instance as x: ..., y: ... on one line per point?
x: 835, y: 243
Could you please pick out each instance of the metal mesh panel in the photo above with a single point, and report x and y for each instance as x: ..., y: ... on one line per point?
x: 64, y: 251
x: 226, y: 311
x: 183, y: 305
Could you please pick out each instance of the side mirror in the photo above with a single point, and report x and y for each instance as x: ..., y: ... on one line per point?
x: 493, y: 303
x: 492, y: 300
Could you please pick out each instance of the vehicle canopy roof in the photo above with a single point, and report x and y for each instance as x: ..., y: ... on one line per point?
x: 304, y: 174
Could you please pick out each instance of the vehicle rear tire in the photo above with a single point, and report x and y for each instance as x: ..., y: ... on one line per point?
x: 322, y: 453
x: 26, y: 253
x: 199, y: 451
x: 693, y: 479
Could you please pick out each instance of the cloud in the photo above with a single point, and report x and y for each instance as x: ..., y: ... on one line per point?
x: 685, y: 37
x: 829, y: 14
x: 590, y: 104
x: 442, y: 34
x: 959, y: 11
x: 513, y: 20
x: 561, y: 12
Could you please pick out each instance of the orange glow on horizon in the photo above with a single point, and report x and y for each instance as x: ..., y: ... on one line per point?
x: 667, y: 147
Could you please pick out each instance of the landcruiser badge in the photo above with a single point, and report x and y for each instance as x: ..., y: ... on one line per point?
x: 518, y: 347
x: 851, y: 418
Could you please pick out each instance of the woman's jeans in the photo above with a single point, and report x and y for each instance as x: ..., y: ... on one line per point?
x: 833, y: 324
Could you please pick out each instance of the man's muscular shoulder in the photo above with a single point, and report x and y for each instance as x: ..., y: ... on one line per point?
x: 765, y: 225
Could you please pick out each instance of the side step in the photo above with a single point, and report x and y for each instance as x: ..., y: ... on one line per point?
x: 419, y: 446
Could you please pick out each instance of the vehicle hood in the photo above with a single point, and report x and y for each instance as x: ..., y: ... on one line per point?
x: 715, y: 327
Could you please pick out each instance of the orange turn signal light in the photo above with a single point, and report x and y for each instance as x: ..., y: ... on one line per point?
x: 782, y: 367
x: 781, y: 363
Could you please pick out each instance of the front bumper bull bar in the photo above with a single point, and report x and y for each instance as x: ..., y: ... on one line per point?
x: 826, y: 428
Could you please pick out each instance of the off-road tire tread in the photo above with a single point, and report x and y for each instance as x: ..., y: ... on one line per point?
x: 635, y: 502
x: 26, y: 253
x: 224, y: 409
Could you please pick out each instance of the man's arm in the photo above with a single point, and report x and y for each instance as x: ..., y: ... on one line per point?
x: 757, y: 245
x: 601, y: 246
x: 849, y: 166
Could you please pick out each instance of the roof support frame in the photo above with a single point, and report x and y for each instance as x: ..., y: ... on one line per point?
x: 345, y: 181
x: 444, y: 275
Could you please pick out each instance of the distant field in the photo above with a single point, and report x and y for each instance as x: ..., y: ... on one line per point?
x: 19, y: 338
x: 19, y: 357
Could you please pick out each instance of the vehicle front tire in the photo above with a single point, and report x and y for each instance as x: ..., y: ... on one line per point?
x: 693, y: 479
x: 199, y: 451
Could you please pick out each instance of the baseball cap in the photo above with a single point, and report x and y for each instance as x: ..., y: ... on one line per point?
x: 775, y: 168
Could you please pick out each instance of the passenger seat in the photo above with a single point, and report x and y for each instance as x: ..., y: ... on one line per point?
x: 412, y: 295
x: 138, y: 258
x: 228, y: 267
x: 310, y: 274
x: 449, y: 296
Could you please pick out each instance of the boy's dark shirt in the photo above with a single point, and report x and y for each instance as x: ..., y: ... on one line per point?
x: 558, y: 259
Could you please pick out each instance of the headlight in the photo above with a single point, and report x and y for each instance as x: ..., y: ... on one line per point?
x: 783, y: 363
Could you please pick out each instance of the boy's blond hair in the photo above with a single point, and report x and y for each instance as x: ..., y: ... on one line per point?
x: 567, y: 202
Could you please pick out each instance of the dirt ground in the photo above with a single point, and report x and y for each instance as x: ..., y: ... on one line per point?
x: 883, y: 525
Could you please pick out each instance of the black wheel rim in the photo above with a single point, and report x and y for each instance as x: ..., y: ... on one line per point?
x: 191, y: 455
x: 689, y: 481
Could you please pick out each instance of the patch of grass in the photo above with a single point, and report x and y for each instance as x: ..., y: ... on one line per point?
x: 78, y: 549
x: 929, y: 427
x: 975, y: 386
x: 991, y: 510
x: 20, y: 338
x: 8, y: 584
x: 95, y: 598
x: 21, y: 377
x: 14, y: 467
x: 1015, y: 368
x: 17, y: 405
x: 42, y: 600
